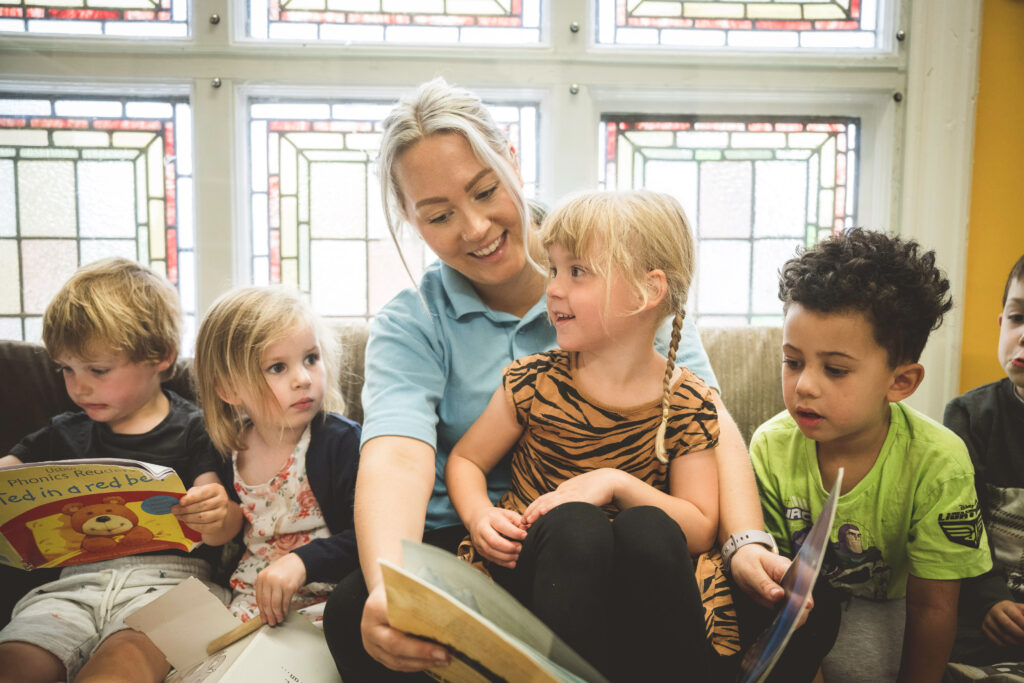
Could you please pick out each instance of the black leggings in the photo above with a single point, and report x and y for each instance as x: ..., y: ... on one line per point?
x: 623, y: 595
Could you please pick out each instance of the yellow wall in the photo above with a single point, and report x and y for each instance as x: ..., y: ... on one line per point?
x: 996, y: 238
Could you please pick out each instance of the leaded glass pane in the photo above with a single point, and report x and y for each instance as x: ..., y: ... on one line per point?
x: 85, y: 178
x: 316, y: 216
x: 111, y: 18
x: 741, y: 24
x: 444, y: 22
x: 754, y: 188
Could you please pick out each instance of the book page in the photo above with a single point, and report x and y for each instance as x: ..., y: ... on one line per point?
x: 442, y: 598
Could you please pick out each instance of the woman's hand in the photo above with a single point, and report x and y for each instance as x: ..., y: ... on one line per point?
x: 596, y: 487
x: 392, y: 648
x: 497, y: 534
x: 275, y: 586
x: 758, y: 571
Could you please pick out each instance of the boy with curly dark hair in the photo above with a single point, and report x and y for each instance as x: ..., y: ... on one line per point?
x: 858, y: 310
x: 990, y: 420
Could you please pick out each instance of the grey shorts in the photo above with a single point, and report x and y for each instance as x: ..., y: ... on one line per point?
x: 71, y: 616
x: 869, y: 644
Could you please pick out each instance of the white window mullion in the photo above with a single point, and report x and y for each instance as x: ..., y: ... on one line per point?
x: 942, y: 84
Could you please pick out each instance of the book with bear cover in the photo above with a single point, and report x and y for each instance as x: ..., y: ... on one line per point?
x: 65, y: 512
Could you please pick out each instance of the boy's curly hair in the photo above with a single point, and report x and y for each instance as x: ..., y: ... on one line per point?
x: 890, y: 280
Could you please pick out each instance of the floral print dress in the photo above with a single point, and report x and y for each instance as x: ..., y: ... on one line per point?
x: 281, y: 515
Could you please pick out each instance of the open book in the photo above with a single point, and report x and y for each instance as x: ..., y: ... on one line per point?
x: 64, y: 512
x: 438, y: 597
x: 798, y: 582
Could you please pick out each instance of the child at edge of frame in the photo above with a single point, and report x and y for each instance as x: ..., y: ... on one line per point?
x: 990, y: 419
x: 114, y: 330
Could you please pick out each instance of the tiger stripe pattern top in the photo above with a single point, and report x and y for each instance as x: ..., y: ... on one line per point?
x: 566, y: 433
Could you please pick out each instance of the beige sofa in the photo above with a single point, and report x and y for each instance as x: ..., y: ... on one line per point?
x: 746, y: 360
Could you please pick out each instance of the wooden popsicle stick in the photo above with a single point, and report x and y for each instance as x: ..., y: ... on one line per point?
x: 237, y: 633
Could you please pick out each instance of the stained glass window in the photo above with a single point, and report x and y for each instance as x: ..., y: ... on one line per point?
x: 749, y: 24
x: 85, y: 178
x: 755, y: 189
x: 448, y: 22
x: 120, y: 18
x: 317, y: 222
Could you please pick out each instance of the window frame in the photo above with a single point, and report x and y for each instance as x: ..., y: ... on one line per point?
x: 929, y: 148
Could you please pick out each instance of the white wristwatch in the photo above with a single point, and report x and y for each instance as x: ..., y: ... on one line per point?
x: 742, y: 538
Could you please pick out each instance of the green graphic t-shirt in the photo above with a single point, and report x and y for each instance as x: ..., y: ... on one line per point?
x: 916, y: 512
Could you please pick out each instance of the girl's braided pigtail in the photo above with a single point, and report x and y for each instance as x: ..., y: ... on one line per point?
x: 659, y: 442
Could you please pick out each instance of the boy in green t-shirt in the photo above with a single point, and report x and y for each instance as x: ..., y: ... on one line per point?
x: 858, y: 310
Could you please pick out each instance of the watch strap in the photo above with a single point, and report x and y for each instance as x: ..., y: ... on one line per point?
x: 742, y: 538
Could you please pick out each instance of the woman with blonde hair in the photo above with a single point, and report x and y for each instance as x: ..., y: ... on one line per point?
x: 437, y: 351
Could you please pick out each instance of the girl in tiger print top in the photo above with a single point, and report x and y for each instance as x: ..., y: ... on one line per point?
x: 604, y: 427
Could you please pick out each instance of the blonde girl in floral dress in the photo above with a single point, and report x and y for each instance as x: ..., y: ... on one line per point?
x: 265, y: 383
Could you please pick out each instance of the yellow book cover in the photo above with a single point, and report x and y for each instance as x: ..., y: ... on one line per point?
x: 438, y: 597
x: 65, y: 512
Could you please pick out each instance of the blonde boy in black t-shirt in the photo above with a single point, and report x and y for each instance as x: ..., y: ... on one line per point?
x: 114, y: 331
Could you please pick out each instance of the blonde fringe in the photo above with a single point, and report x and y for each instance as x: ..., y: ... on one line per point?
x: 670, y: 367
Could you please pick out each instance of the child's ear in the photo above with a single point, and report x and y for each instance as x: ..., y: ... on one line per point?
x: 164, y: 364
x: 656, y: 285
x: 228, y: 395
x: 906, y: 379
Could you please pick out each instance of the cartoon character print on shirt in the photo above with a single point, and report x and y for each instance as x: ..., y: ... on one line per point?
x: 851, y: 566
x: 848, y: 565
x: 962, y: 525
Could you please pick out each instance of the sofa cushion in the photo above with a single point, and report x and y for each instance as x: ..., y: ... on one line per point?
x: 33, y: 391
x: 748, y: 364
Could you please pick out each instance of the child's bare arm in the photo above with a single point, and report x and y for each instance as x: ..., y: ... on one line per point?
x: 494, y: 532
x: 693, y: 483
x: 930, y: 630
x: 206, y: 508
x: 9, y: 460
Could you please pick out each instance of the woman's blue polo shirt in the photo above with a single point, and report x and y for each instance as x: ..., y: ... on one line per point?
x: 432, y: 364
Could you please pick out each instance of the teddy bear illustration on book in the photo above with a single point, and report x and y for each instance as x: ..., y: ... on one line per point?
x: 103, y: 522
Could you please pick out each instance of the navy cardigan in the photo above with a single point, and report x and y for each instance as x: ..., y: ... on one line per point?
x: 331, y: 463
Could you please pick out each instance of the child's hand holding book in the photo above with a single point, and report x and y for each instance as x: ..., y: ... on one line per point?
x: 206, y: 508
